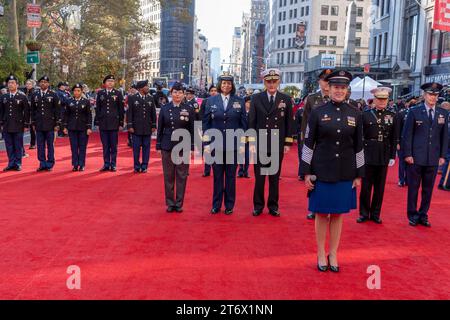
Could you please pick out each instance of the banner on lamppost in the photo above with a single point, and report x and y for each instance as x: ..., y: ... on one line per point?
x: 442, y: 15
x: 34, y: 16
x: 300, y: 35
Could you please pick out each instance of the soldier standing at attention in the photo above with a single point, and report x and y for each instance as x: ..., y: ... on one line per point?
x: 380, y: 142
x: 109, y: 117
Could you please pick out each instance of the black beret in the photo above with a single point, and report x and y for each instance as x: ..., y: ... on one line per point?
x: 432, y: 87
x: 212, y: 87
x: 190, y: 90
x: 61, y: 84
x: 109, y: 77
x: 178, y: 86
x: 247, y: 99
x: 141, y: 84
x: 77, y: 86
x: 12, y: 77
x: 339, y: 77
x: 44, y: 78
x: 325, y: 73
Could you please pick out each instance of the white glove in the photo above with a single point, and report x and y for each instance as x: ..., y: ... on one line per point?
x: 391, y: 162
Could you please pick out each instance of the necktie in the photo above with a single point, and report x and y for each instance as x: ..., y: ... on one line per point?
x: 225, y: 103
x: 430, y: 115
x: 272, y: 101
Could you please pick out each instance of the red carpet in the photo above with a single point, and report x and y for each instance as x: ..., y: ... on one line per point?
x: 115, y: 228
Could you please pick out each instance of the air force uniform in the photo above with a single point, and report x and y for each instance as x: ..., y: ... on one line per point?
x: 425, y: 139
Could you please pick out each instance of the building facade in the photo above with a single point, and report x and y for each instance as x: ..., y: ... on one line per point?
x: 236, y: 55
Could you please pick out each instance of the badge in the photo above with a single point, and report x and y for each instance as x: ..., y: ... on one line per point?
x: 72, y: 104
x: 187, y: 119
x: 136, y: 103
x: 237, y: 105
x: 282, y: 105
x: 182, y: 118
x: 326, y: 118
x: 102, y: 98
x: 388, y: 120
x: 351, y: 121
x: 18, y: 101
x: 418, y: 122
x: 441, y: 119
x: 50, y: 99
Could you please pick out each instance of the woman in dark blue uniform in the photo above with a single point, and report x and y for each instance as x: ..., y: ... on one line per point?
x: 174, y: 116
x: 333, y: 163
x: 77, y: 124
x: 223, y: 112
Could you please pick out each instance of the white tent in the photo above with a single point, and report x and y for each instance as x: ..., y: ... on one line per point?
x: 355, y: 81
x: 362, y: 88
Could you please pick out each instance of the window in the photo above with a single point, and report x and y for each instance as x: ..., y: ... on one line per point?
x: 333, y: 25
x: 359, y: 27
x: 323, y: 25
x: 333, y: 41
x: 360, y: 12
x: 323, y: 40
x: 325, y: 10
x: 357, y: 42
x: 445, y: 47
x: 334, y: 10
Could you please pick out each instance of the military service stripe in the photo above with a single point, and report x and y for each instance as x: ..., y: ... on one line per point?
x: 307, y: 154
x: 290, y: 140
x: 360, y: 161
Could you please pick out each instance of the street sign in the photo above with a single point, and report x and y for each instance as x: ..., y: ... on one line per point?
x: 328, y: 61
x: 34, y: 16
x: 33, y: 57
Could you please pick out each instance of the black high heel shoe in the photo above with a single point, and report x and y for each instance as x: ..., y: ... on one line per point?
x: 332, y: 268
x: 321, y: 268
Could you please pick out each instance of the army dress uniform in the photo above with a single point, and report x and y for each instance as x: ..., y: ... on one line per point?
x: 141, y: 117
x: 270, y: 115
x: 172, y: 118
x: 46, y: 114
x: 425, y: 139
x: 14, y: 118
x: 333, y: 152
x: 380, y: 144
x: 109, y: 117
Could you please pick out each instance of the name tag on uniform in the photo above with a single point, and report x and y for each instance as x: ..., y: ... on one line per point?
x: 237, y: 106
x: 50, y: 99
x: 18, y: 101
x: 326, y: 118
x: 351, y: 121
x: 441, y: 119
x: 419, y: 122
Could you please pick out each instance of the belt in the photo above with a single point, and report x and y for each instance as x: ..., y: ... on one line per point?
x: 379, y: 139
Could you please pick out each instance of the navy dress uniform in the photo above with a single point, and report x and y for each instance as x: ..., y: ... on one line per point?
x: 380, y: 145
x: 78, y: 120
x: 401, y: 119
x: 444, y: 184
x: 109, y: 117
x: 171, y: 118
x: 14, y: 118
x: 141, y: 118
x: 425, y: 139
x: 333, y: 152
x: 46, y: 116
x: 270, y: 115
x: 224, y: 113
x: 207, y: 168
x: 243, y: 168
x: 194, y: 104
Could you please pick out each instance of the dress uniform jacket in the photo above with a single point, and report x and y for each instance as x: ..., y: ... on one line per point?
x: 77, y: 115
x: 141, y: 114
x: 194, y: 104
x: 216, y: 117
x: 298, y: 118
x: 423, y: 141
x: 278, y: 117
x: 14, y: 112
x: 313, y: 101
x: 380, y: 137
x: 170, y: 119
x: 110, y: 111
x: 45, y: 110
x: 401, y: 119
x: 334, y: 135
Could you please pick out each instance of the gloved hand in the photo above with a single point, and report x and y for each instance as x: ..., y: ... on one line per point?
x: 391, y: 162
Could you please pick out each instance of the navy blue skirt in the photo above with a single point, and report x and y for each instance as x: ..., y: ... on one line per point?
x: 333, y: 198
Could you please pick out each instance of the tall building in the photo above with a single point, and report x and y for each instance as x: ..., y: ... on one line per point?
x: 300, y: 32
x: 215, y: 64
x: 404, y: 43
x: 246, y: 49
x: 200, y: 65
x: 170, y: 52
x: 257, y: 17
x: 236, y: 57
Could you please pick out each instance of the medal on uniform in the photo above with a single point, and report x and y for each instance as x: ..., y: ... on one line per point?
x: 351, y: 121
x: 182, y: 118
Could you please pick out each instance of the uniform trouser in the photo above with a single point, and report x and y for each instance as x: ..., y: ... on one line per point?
x: 243, y: 168
x: 110, y: 140
x: 207, y: 170
x: 78, y: 144
x: 32, y: 137
x: 417, y: 175
x: 141, y: 142
x: 445, y: 179
x: 175, y: 177
x: 225, y: 183
x: 402, y: 172
x: 46, y: 139
x: 300, y: 149
x: 274, y: 187
x: 374, y: 180
x: 14, y: 148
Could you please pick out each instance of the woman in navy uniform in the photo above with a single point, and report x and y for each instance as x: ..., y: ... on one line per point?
x: 14, y: 119
x: 141, y: 117
x: 333, y: 163
x: 212, y: 93
x: 226, y: 111
x: 425, y: 143
x: 174, y: 116
x: 77, y: 123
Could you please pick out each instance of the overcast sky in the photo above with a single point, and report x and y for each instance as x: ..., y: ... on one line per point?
x: 217, y: 19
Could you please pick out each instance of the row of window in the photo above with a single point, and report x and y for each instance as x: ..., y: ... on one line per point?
x: 304, y: 11
x: 292, y: 57
x: 332, y: 41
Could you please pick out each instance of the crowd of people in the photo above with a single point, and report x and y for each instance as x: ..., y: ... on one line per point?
x: 342, y: 144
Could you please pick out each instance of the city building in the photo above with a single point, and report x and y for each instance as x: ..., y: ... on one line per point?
x: 236, y: 55
x: 200, y: 65
x: 215, y: 64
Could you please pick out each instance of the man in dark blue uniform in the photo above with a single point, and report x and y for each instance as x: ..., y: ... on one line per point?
x: 109, y: 116
x: 243, y: 168
x: 46, y: 116
x: 444, y: 184
x: 141, y: 117
x: 14, y: 119
x: 192, y: 101
x: 425, y: 144
x: 401, y: 119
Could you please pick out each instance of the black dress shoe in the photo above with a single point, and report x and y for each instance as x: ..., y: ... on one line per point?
x: 170, y: 209
x: 113, y: 169
x: 104, y: 169
x: 137, y: 170
x: 311, y: 216
x: 205, y: 175
x: 32, y: 147
x: 49, y: 169
x: 425, y: 223
x: 144, y: 170
x: 229, y: 212
x: 257, y: 213
x: 377, y: 220
x: 215, y: 211
x: 18, y: 168
x: 334, y: 269
x: 247, y: 176
x: 362, y: 219
x: 8, y: 169
x: 274, y: 213
x: 74, y: 169
x: 322, y: 268
x: 178, y: 210
x: 40, y: 169
x: 412, y: 223
x: 81, y: 168
x: 240, y: 175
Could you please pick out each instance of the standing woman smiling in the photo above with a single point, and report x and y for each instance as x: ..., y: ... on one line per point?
x: 333, y: 163
x: 225, y: 111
